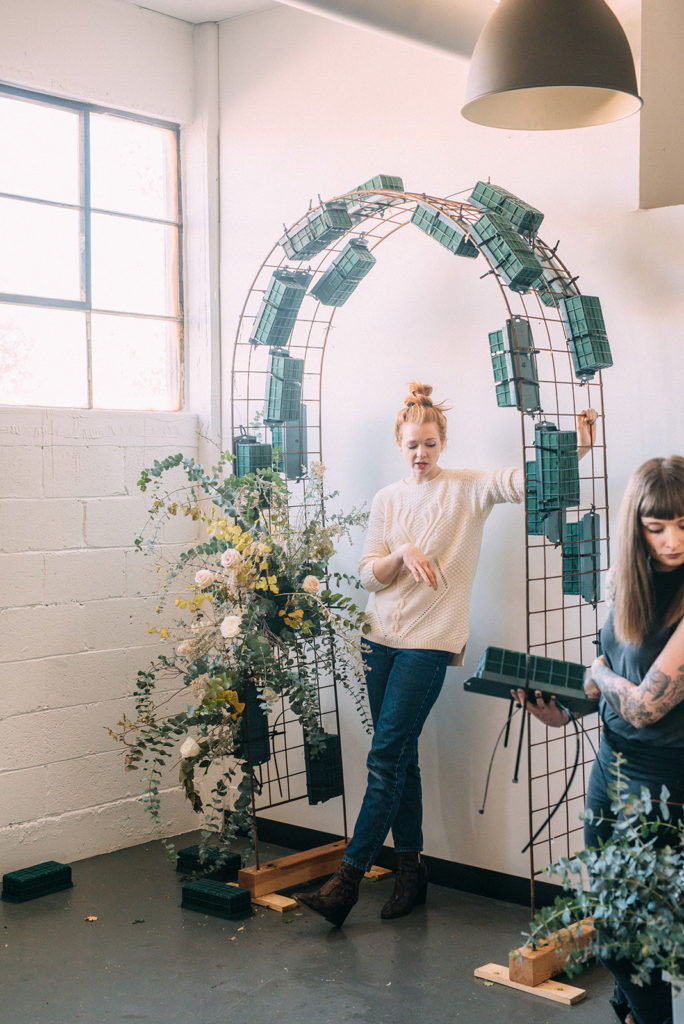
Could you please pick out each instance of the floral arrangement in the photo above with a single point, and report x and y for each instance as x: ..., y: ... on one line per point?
x: 258, y: 619
x: 632, y: 885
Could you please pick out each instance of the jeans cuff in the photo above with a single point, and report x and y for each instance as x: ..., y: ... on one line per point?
x: 354, y: 864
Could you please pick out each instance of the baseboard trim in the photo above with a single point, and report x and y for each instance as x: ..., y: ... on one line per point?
x: 466, y: 877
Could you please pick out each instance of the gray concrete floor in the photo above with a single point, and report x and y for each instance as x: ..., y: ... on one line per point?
x: 145, y: 959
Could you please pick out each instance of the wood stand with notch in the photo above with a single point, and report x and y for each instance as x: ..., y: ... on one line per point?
x: 532, y: 970
x: 265, y: 882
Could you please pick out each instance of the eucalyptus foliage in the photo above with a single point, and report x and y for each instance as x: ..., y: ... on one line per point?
x: 632, y: 885
x: 259, y: 621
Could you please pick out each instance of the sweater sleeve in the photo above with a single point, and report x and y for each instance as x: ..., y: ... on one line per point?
x: 503, y: 485
x: 374, y: 546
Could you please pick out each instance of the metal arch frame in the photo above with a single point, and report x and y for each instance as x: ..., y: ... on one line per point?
x: 558, y: 626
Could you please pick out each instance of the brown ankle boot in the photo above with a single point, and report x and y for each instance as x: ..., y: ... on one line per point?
x: 337, y: 896
x: 410, y: 886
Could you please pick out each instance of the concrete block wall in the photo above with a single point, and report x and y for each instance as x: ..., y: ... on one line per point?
x: 74, y: 603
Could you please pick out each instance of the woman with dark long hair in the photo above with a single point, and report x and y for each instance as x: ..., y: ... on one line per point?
x: 639, y: 680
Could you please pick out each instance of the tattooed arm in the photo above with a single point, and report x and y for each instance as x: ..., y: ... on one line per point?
x: 661, y: 689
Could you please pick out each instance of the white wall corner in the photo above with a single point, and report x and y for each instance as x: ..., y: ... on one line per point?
x: 100, y: 51
x: 661, y: 168
x: 201, y: 216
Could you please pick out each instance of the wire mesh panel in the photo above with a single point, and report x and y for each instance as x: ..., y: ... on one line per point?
x: 566, y: 521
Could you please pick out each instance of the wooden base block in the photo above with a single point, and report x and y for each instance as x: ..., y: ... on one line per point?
x: 378, y: 872
x: 533, y: 966
x: 274, y: 901
x: 553, y: 990
x: 296, y: 869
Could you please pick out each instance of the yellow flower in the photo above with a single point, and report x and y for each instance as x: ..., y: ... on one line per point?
x: 232, y: 698
x: 294, y: 618
x: 163, y: 633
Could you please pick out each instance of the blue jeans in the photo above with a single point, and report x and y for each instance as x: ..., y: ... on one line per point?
x: 402, y: 687
x: 650, y: 1004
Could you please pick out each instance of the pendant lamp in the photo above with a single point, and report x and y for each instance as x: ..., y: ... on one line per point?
x: 544, y: 64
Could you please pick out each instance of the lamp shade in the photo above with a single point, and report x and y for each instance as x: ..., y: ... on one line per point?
x: 544, y: 64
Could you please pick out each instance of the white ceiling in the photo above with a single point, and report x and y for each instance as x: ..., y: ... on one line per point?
x: 471, y: 12
x: 198, y: 11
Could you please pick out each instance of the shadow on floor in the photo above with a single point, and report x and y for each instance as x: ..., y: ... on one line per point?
x: 146, y: 960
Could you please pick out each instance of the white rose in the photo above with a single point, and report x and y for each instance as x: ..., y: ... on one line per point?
x: 185, y: 648
x: 204, y: 578
x: 311, y: 584
x: 190, y: 748
x: 231, y: 559
x: 230, y: 626
x: 199, y: 686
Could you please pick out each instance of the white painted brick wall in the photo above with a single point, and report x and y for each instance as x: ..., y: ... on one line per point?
x: 40, y: 524
x: 22, y: 579
x: 85, y: 471
x: 85, y: 575
x: 39, y: 684
x: 88, y: 831
x: 74, y: 603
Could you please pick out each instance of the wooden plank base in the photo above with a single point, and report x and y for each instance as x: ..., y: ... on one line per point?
x: 378, y: 872
x: 554, y: 990
x: 533, y: 966
x: 296, y: 869
x: 274, y: 901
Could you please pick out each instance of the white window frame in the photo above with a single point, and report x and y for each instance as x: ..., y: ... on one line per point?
x: 86, y: 211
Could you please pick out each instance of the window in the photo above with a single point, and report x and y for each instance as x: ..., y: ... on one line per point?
x: 90, y: 242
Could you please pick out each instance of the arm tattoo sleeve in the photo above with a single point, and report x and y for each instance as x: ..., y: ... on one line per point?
x: 647, y: 703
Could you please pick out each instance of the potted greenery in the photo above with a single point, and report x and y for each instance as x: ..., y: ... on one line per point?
x: 257, y: 621
x: 632, y: 886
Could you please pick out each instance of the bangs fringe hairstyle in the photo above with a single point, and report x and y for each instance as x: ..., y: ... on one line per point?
x: 419, y: 408
x: 655, y: 489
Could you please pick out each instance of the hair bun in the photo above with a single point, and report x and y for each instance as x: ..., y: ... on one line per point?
x: 419, y: 394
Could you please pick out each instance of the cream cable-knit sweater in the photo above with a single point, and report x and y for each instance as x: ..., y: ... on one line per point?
x: 444, y: 517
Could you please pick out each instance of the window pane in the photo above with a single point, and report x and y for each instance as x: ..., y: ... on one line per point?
x: 43, y: 356
x: 40, y: 250
x: 132, y: 167
x: 134, y: 266
x: 40, y: 150
x: 135, y: 363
